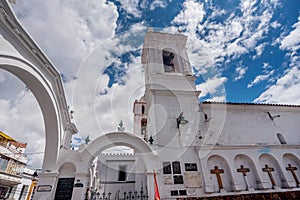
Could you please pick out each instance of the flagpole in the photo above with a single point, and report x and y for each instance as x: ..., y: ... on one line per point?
x: 156, y: 191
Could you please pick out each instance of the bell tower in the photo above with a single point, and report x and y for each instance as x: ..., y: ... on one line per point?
x: 172, y: 107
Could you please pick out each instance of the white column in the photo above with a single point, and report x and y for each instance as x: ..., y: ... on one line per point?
x: 46, y: 181
x: 79, y: 192
x: 150, y: 184
x: 71, y: 129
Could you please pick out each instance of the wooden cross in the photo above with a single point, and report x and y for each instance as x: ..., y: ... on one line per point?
x: 269, y: 170
x: 243, y: 170
x: 218, y: 173
x: 293, y: 169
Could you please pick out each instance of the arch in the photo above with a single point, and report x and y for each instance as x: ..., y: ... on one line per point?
x: 268, y: 161
x: 226, y: 177
x: 45, y: 97
x: 292, y: 166
x: 67, y: 169
x: 169, y: 60
x: 117, y: 139
x: 252, y: 178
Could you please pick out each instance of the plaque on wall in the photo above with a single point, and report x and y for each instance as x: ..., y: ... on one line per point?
x: 44, y: 188
x: 178, y: 179
x: 168, y: 180
x: 167, y: 168
x: 64, y: 189
x: 190, y: 166
x: 176, y: 167
x: 192, y: 180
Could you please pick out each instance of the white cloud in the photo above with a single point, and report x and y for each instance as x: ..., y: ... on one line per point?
x: 235, y: 36
x: 240, y: 72
x: 21, y: 118
x: 285, y: 90
x: 211, y: 86
x: 158, y: 4
x: 70, y: 29
x: 260, y: 78
x: 292, y: 41
x: 275, y: 24
x: 132, y: 7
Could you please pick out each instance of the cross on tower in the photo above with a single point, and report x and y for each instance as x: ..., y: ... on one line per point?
x: 218, y: 173
x: 243, y: 170
x: 269, y: 170
x: 293, y: 169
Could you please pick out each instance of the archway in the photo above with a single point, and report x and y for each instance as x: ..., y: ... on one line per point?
x: 292, y: 166
x: 220, y: 173
x: 140, y: 147
x: 247, y: 173
x: 272, y: 175
x: 20, y: 56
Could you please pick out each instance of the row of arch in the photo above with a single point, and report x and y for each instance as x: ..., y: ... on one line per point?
x: 244, y: 173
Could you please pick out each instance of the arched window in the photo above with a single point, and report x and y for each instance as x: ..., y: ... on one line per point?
x: 281, y: 138
x: 168, y: 59
x: 143, y: 126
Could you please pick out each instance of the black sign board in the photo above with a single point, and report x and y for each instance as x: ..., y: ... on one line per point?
x: 64, y: 189
x: 190, y: 166
x: 178, y: 179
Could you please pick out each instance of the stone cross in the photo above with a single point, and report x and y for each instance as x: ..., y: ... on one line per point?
x: 293, y: 169
x: 244, y: 171
x: 218, y: 173
x: 269, y: 170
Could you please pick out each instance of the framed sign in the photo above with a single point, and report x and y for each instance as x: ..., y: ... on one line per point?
x: 44, y: 188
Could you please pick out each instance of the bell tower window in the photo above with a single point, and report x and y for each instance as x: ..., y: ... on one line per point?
x: 168, y: 60
x: 143, y: 109
x: 143, y: 126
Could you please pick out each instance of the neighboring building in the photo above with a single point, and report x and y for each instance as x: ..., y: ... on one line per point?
x: 15, y: 178
x: 208, y: 149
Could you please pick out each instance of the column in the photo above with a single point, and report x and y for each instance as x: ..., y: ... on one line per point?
x: 80, y: 186
x: 46, y: 186
x: 70, y: 130
x: 150, y: 184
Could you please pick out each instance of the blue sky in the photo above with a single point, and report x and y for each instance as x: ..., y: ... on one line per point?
x: 241, y: 51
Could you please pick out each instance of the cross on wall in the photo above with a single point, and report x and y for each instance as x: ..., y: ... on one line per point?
x: 243, y: 170
x: 218, y: 173
x: 269, y: 170
x: 293, y: 169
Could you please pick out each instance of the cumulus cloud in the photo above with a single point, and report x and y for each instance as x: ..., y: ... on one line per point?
x: 240, y: 72
x: 25, y: 112
x: 285, y: 90
x: 69, y: 33
x: 292, y: 40
x: 211, y: 86
x: 132, y: 7
x: 260, y: 78
x: 211, y: 43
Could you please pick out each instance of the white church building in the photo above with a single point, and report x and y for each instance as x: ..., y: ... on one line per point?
x: 206, y: 150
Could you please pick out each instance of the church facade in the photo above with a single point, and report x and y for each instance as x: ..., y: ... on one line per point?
x: 209, y: 149
x: 205, y: 150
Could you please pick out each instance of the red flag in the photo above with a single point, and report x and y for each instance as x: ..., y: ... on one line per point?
x: 156, y: 191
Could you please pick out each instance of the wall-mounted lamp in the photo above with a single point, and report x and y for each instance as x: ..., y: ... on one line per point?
x: 272, y: 117
x: 181, y: 120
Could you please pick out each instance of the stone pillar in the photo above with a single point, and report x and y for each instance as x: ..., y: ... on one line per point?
x: 150, y: 184
x: 80, y: 186
x: 71, y: 129
x: 46, y: 186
